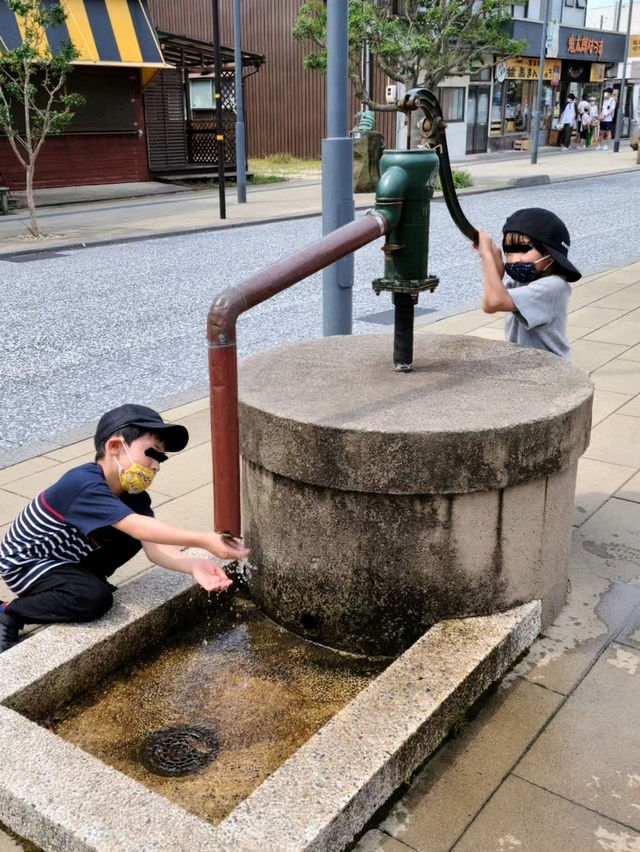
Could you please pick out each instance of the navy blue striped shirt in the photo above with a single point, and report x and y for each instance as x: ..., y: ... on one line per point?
x: 68, y: 524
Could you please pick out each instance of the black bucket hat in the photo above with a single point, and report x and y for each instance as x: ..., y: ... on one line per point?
x: 549, y: 230
x: 175, y: 437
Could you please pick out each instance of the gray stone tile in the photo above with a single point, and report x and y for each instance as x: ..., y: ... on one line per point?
x: 596, y: 482
x: 590, y: 354
x: 464, y: 773
x: 596, y: 611
x: 616, y: 440
x: 10, y: 505
x: 632, y: 407
x: 605, y: 403
x: 608, y: 544
x: 524, y: 818
x: 590, y: 752
x: 374, y: 841
x: 630, y: 633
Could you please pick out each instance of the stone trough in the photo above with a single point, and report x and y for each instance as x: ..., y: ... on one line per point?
x: 60, y: 797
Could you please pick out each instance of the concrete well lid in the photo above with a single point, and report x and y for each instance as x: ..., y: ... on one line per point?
x: 474, y: 414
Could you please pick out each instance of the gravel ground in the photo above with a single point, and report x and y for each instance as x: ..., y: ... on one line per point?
x: 95, y: 327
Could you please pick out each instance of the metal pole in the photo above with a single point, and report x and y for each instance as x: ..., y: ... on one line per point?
x: 623, y: 83
x: 219, y: 131
x: 241, y: 152
x: 337, y: 171
x: 537, y: 113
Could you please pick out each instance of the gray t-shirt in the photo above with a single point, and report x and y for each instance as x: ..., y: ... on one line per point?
x: 541, y: 318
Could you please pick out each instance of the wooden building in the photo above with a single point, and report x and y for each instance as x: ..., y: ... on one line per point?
x: 285, y: 104
x: 118, y: 53
x: 136, y: 122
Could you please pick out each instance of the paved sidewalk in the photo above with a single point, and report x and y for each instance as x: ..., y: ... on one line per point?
x: 108, y: 218
x: 551, y: 763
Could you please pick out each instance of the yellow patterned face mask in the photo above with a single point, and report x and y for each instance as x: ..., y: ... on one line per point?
x: 136, y: 478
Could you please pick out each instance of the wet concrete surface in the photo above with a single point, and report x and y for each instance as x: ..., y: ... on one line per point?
x: 263, y: 690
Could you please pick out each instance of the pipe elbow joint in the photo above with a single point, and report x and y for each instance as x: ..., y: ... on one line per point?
x: 222, y: 316
x: 391, y: 193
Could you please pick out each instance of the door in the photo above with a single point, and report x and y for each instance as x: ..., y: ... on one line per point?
x: 477, y: 119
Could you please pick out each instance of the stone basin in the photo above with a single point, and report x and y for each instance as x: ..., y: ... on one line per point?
x: 378, y: 503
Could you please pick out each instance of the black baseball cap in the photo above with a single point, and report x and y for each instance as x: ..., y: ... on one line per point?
x: 549, y: 230
x: 175, y: 437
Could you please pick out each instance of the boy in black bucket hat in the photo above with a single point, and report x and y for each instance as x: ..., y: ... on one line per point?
x: 535, y: 291
x: 59, y: 551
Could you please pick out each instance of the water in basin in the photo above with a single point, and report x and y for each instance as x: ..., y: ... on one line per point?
x: 253, y: 692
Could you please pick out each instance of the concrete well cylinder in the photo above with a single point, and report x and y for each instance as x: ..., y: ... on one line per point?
x: 376, y: 503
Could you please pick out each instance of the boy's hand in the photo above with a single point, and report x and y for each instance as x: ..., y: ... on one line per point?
x: 209, y: 575
x: 488, y: 250
x: 225, y: 547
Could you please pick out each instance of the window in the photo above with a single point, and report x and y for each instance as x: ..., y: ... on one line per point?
x: 516, y: 108
x: 202, y: 93
x: 452, y: 101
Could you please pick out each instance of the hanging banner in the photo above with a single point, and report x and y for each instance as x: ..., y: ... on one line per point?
x: 597, y: 72
x: 634, y: 45
x: 528, y: 68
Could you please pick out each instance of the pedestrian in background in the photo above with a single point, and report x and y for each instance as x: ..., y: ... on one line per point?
x: 585, y: 129
x: 568, y: 120
x: 606, y: 118
x: 595, y: 121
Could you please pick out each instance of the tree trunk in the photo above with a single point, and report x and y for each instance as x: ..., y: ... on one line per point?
x: 33, y: 228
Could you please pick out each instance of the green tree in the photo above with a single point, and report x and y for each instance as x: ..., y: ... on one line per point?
x: 415, y: 42
x: 34, y: 102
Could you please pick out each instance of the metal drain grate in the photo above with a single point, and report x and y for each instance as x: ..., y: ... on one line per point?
x: 180, y: 750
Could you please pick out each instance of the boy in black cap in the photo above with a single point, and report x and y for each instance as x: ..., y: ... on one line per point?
x: 59, y: 551
x: 535, y: 291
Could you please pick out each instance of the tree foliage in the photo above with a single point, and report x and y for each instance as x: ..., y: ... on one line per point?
x: 34, y: 101
x: 415, y: 42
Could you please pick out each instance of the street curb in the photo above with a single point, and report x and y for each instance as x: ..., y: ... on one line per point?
x: 515, y: 183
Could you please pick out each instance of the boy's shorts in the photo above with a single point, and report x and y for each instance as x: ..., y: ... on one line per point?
x: 606, y: 125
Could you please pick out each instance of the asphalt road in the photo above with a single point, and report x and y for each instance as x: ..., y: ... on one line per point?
x: 95, y: 327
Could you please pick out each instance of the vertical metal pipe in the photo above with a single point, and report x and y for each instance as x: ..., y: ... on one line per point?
x: 219, y: 130
x: 241, y: 148
x: 623, y: 82
x: 403, y: 332
x: 337, y: 171
x: 537, y: 113
x: 223, y: 402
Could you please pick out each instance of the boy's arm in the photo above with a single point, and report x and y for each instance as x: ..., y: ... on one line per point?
x: 495, y: 296
x: 151, y: 530
x: 206, y: 572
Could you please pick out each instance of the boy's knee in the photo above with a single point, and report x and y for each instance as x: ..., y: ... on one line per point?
x: 94, y: 601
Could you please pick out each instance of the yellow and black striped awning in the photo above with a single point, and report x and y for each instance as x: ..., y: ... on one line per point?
x: 104, y: 32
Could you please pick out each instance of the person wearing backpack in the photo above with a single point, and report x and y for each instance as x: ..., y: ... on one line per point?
x: 568, y: 120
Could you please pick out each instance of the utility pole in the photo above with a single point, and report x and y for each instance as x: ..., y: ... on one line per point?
x: 623, y: 83
x: 241, y: 151
x: 337, y: 172
x: 537, y: 113
x: 219, y: 130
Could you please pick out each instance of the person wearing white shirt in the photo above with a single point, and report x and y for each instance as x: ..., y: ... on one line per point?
x: 606, y: 118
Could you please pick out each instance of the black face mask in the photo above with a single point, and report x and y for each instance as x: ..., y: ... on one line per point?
x: 524, y: 272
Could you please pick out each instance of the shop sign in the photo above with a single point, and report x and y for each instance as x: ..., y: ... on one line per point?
x: 634, y: 45
x: 597, y: 72
x: 585, y: 46
x: 525, y: 68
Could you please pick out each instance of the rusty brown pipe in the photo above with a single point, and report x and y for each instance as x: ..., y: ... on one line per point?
x: 223, y: 362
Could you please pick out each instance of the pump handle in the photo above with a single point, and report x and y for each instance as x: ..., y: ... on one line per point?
x: 435, y: 138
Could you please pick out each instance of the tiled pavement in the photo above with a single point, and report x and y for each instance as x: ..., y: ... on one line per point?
x: 551, y: 761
